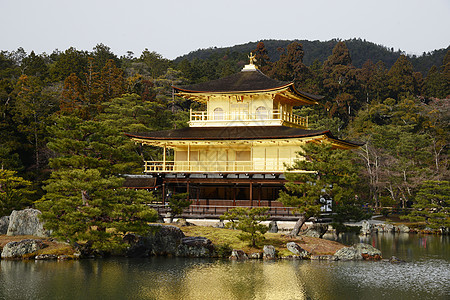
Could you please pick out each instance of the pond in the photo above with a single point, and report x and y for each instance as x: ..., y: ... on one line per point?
x: 424, y: 275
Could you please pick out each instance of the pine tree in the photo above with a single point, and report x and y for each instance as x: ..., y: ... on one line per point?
x: 248, y: 220
x: 323, y: 173
x: 85, y: 200
x: 401, y: 78
x: 339, y: 83
x: 432, y: 204
x: 262, y: 58
x: 14, y: 192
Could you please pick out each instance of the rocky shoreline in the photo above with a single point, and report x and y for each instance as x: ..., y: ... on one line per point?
x: 169, y: 240
x: 165, y: 240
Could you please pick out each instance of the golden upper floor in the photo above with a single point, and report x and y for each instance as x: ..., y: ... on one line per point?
x: 247, y: 98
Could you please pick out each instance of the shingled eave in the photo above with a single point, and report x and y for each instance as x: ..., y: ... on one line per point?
x: 279, y: 88
x: 238, y: 133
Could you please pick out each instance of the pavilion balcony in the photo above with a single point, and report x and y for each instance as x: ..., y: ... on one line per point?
x: 265, y: 118
x: 213, y: 167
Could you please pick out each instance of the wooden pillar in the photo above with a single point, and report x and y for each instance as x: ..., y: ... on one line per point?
x: 189, y: 159
x: 163, y: 193
x: 251, y: 194
x: 164, y: 158
x: 187, y: 190
x: 234, y: 194
x: 259, y: 194
x: 198, y: 194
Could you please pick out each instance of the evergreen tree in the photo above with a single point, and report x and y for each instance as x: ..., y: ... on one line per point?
x: 34, y: 65
x: 72, y: 99
x: 14, y: 192
x: 152, y: 64
x: 323, y: 173
x: 71, y: 61
x: 84, y: 205
x: 432, y: 204
x: 339, y: 83
x: 401, y: 78
x: 435, y: 85
x: 262, y: 58
x: 248, y: 220
x: 84, y: 200
x: 101, y: 55
x: 31, y: 110
x: 290, y: 66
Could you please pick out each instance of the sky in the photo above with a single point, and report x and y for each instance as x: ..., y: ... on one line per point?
x: 176, y: 27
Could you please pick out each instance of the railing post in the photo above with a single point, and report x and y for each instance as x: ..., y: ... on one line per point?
x: 164, y: 158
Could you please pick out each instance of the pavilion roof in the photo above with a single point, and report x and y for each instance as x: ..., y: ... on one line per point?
x: 246, y: 81
x: 236, y: 133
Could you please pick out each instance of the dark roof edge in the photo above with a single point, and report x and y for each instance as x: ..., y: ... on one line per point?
x: 234, y: 92
x: 310, y: 134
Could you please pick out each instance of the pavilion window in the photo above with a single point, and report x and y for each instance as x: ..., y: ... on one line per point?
x: 194, y: 156
x: 218, y: 113
x: 181, y: 155
x: 261, y: 113
x: 243, y: 155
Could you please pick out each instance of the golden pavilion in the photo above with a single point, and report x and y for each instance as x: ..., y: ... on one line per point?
x: 235, y: 152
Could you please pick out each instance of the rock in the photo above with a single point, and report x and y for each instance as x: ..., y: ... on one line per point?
x: 16, y: 250
x: 164, y: 239
x: 269, y: 252
x: 46, y: 257
x: 428, y: 230
x: 195, y: 247
x: 348, y: 253
x: 395, y: 260
x: 160, y: 218
x: 368, y: 252
x: 256, y: 255
x: 358, y: 252
x: 161, y: 240
x: 316, y: 230
x: 219, y: 224
x: 324, y: 257
x: 402, y: 228
x: 297, y: 250
x: 273, y: 227
x: 4, y: 223
x: 64, y: 257
x: 384, y: 227
x: 168, y: 218
x: 182, y: 222
x: 366, y: 228
x: 238, y: 255
x: 84, y: 250
x: 26, y: 222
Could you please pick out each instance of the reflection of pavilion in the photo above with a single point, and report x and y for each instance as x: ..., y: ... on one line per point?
x: 235, y: 152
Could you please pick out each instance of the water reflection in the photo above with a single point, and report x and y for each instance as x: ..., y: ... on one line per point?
x: 407, y: 246
x: 426, y: 275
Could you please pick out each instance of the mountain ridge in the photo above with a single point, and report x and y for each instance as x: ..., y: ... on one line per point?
x: 360, y: 51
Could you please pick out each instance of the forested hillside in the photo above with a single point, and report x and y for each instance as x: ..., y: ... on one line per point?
x: 360, y: 51
x: 62, y: 115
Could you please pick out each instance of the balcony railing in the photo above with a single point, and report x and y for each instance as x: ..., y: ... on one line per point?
x: 261, y: 117
x: 212, y: 166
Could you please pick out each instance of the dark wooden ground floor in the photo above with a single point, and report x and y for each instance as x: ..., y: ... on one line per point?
x: 232, y: 191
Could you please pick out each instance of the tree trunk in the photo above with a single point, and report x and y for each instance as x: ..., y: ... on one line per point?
x: 301, y: 220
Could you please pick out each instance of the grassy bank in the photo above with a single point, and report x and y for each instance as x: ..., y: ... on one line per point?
x: 222, y: 238
x: 52, y: 247
x: 228, y: 237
